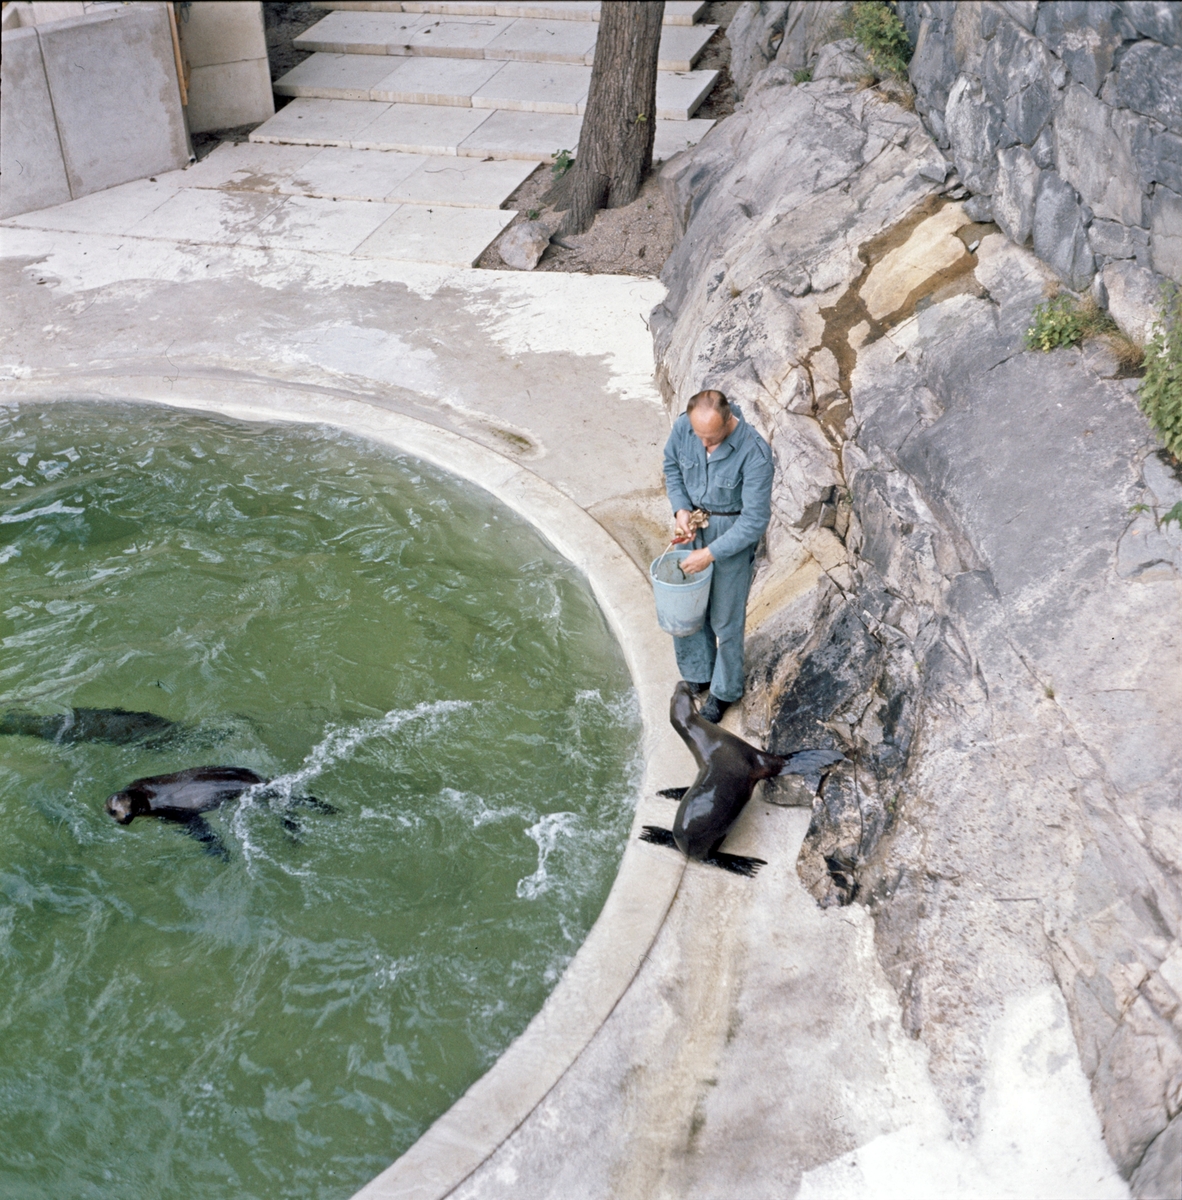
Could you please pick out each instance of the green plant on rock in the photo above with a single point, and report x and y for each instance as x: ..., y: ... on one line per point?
x: 563, y: 161
x: 1057, y: 322
x: 804, y: 75
x: 876, y: 27
x: 1161, y: 389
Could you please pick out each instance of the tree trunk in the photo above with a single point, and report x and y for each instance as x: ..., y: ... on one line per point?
x: 616, y: 142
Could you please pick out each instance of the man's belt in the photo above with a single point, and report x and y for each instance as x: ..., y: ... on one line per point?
x: 712, y: 513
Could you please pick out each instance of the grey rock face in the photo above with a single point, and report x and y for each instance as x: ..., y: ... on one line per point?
x: 1134, y: 299
x: 988, y: 639
x: 974, y: 127
x: 979, y: 208
x: 1084, y: 35
x: 523, y: 245
x: 1017, y: 185
x: 845, y: 60
x: 1060, y: 237
x: 1095, y: 160
x: 1157, y: 19
x: 1165, y: 233
x: 1149, y: 81
x: 755, y: 33
x: 1161, y: 1168
x: 1018, y: 78
x: 1110, y: 239
x: 1158, y: 153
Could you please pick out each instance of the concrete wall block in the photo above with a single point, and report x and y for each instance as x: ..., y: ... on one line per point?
x: 1094, y: 160
x: 1149, y: 81
x: 31, y: 164
x: 217, y: 31
x: 1017, y: 186
x: 112, y: 76
x: 1060, y: 236
x: 1165, y: 234
x: 228, y: 94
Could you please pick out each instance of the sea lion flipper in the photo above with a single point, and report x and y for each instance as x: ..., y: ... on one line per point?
x: 737, y: 864
x: 658, y: 836
x: 197, y: 826
x: 811, y: 765
x: 672, y: 793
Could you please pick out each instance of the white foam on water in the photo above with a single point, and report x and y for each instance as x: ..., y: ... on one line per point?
x: 476, y: 809
x: 49, y: 510
x: 339, y: 744
x: 546, y: 833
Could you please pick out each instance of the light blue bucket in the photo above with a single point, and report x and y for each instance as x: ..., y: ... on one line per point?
x: 681, y: 599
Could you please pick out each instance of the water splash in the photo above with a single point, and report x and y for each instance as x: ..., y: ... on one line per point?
x: 546, y: 833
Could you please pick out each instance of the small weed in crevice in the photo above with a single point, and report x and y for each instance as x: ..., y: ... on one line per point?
x: 563, y: 161
x: 1175, y: 514
x: 804, y: 75
x: 876, y: 27
x: 1065, y: 320
x: 1161, y: 389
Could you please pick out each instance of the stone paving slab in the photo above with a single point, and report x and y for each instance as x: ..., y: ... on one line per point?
x: 313, y: 122
x: 463, y: 182
x: 677, y: 12
x: 452, y: 236
x: 420, y: 128
x: 503, y: 38
x: 476, y: 83
x: 449, y: 130
x: 315, y: 223
x: 428, y: 80
x: 342, y: 173
x: 244, y: 166
x: 113, y: 210
x: 209, y: 217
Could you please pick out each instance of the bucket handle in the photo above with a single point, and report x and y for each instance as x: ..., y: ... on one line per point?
x: 662, y: 559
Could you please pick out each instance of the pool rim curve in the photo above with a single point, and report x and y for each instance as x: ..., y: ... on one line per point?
x: 472, y: 1129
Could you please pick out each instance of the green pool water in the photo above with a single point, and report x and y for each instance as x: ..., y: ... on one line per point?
x: 366, y: 630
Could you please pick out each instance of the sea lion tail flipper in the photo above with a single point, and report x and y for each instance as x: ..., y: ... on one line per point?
x: 198, y: 827
x: 658, y: 836
x: 737, y: 864
x: 811, y: 764
x: 672, y: 793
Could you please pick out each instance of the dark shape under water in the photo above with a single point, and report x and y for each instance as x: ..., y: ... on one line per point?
x: 116, y: 726
x: 184, y: 795
x: 728, y: 770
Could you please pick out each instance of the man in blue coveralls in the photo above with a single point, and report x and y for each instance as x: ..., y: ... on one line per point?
x: 715, y: 461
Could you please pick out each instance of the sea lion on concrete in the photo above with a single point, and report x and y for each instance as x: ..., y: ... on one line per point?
x: 184, y: 795
x: 116, y: 726
x: 728, y: 770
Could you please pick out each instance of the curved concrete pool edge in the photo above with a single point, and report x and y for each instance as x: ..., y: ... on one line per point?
x: 615, y: 948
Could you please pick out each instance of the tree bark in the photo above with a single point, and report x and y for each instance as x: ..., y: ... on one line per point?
x: 616, y: 141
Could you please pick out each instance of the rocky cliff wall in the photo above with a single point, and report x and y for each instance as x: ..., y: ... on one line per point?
x: 1062, y: 121
x: 964, y: 588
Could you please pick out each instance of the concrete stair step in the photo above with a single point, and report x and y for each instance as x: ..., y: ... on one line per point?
x: 677, y: 12
x: 440, y: 129
x: 476, y: 83
x: 341, y: 173
x: 504, y: 39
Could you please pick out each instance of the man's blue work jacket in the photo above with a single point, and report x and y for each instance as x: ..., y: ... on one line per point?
x: 737, y: 477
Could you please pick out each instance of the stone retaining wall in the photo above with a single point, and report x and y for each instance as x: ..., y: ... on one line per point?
x: 1062, y: 120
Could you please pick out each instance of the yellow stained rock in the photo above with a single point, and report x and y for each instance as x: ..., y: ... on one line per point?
x: 932, y: 248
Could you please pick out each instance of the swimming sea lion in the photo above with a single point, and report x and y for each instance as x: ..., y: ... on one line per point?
x: 116, y: 726
x: 728, y: 770
x: 184, y: 795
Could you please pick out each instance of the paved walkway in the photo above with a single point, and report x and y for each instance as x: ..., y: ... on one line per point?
x: 412, y: 125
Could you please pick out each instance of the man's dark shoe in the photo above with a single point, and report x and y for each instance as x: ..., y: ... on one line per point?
x: 713, y: 709
x: 699, y: 688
